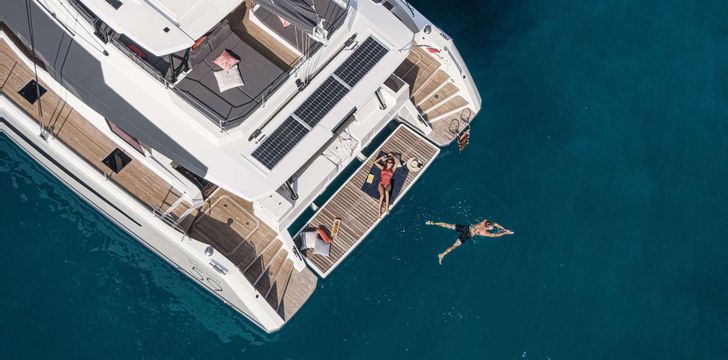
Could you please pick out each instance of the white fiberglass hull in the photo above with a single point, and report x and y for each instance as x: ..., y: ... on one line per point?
x: 140, y: 223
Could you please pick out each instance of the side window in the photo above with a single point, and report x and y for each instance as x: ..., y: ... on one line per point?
x: 126, y: 137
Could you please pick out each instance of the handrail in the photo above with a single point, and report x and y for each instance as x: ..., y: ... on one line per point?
x: 143, y: 64
x: 411, y: 9
x: 166, y: 217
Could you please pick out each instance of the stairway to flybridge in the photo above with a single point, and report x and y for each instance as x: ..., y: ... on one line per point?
x: 435, y: 95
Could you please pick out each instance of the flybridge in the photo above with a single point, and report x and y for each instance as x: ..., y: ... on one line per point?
x: 316, y: 106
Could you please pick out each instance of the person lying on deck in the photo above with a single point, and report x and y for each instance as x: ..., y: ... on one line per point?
x: 466, y: 232
x: 386, y: 165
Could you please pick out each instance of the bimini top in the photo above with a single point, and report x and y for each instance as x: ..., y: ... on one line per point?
x: 162, y: 26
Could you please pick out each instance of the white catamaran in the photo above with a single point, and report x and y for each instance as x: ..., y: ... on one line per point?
x: 207, y: 128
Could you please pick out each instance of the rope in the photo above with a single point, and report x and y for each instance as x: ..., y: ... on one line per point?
x: 29, y: 12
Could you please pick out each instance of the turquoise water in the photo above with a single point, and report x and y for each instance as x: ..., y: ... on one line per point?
x: 603, y: 145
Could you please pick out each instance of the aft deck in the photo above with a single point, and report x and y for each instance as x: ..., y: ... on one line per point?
x: 227, y: 222
x: 357, y: 209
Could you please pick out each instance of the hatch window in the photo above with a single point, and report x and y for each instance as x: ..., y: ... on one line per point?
x: 32, y: 91
x: 117, y: 160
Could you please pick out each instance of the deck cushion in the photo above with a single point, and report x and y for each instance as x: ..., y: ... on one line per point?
x: 228, y: 79
x: 372, y: 188
x: 259, y: 74
x: 226, y: 61
x: 311, y: 240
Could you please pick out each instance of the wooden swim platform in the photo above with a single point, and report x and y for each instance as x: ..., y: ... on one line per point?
x: 357, y: 209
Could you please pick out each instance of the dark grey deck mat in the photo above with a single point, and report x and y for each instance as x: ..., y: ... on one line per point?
x: 260, y: 75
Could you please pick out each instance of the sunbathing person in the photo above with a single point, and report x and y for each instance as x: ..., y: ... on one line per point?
x: 466, y: 232
x: 386, y: 165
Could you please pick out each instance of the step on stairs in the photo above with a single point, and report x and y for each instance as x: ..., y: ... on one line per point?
x: 435, y: 96
x: 417, y: 68
x: 447, y: 128
x: 446, y: 108
x: 435, y: 99
x: 429, y: 86
x: 274, y: 277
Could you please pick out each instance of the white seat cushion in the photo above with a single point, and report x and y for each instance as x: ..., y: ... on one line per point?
x: 321, y: 247
x: 311, y: 240
x: 228, y: 79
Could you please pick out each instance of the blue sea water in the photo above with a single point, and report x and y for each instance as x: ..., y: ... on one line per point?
x: 603, y: 144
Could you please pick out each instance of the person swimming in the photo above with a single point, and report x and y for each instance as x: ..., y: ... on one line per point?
x: 466, y: 232
x: 386, y: 165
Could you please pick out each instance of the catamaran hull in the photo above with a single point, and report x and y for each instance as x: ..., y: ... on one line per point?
x: 141, y: 225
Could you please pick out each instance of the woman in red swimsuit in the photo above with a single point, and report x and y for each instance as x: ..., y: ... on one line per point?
x: 386, y: 166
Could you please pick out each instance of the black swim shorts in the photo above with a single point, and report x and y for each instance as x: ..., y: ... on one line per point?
x: 464, y: 232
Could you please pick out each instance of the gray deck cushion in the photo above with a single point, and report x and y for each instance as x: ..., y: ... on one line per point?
x: 273, y: 23
x: 213, y: 41
x: 258, y: 73
x: 329, y: 10
x: 202, y: 86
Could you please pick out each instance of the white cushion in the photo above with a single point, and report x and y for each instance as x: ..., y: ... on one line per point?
x: 311, y: 240
x: 321, y: 247
x: 228, y: 79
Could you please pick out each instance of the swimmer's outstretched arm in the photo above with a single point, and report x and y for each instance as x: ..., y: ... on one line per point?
x: 441, y: 224
x: 495, y: 235
x: 503, y: 231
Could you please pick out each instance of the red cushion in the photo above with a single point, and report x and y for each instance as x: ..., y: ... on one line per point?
x: 136, y: 50
x: 199, y: 42
x: 324, y: 235
x: 226, y: 61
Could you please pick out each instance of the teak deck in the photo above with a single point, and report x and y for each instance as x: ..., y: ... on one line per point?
x: 226, y: 222
x: 358, y: 210
x: 73, y: 130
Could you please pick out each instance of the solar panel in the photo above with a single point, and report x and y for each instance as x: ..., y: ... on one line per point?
x: 280, y: 142
x: 291, y: 132
x: 321, y: 101
x: 361, y: 61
